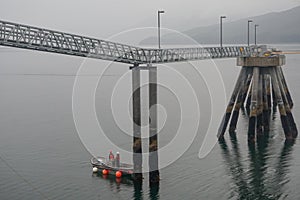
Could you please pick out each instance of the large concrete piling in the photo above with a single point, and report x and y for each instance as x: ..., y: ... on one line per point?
x: 248, y: 102
x: 274, y: 100
x: 259, y: 119
x: 153, y: 138
x: 286, y: 102
x: 231, y: 103
x: 266, y: 102
x: 286, y: 89
x: 280, y: 104
x: 253, y: 105
x: 240, y: 101
x: 264, y: 83
x: 136, y: 115
x: 268, y: 90
x: 153, y: 142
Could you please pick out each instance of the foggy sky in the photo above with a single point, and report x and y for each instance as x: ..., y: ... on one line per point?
x: 102, y: 18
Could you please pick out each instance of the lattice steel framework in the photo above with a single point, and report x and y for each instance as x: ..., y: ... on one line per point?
x: 28, y: 37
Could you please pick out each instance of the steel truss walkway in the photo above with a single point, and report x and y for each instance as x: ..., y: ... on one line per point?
x: 33, y: 38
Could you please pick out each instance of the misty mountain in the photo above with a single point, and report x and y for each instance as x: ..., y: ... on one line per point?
x: 275, y: 27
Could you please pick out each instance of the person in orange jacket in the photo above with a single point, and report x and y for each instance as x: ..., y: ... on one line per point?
x: 111, y: 158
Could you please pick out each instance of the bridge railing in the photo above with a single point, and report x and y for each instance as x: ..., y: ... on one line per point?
x: 201, y: 53
x: 28, y: 37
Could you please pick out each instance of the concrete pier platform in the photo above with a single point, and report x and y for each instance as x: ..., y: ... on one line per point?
x: 278, y: 60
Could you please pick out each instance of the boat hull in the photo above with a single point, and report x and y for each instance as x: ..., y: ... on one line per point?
x: 101, y: 163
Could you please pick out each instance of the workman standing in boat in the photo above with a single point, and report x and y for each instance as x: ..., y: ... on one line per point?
x: 118, y: 159
x: 111, y: 158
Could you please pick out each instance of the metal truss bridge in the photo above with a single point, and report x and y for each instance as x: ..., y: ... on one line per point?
x: 33, y: 38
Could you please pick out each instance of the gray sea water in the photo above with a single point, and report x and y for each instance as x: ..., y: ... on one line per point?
x: 42, y: 156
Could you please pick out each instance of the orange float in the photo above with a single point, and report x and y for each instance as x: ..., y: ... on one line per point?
x: 105, y: 172
x: 118, y: 174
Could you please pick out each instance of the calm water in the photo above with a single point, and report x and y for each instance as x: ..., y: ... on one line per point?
x: 42, y: 157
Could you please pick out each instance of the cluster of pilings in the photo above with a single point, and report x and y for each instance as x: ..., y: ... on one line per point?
x: 261, y: 85
x: 137, y: 140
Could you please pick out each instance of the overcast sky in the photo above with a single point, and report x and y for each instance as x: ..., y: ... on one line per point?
x: 102, y: 18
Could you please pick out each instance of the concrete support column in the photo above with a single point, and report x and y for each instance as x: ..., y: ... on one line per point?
x: 280, y: 104
x: 153, y: 142
x: 268, y: 90
x: 253, y: 106
x: 240, y: 100
x: 231, y: 103
x: 286, y: 89
x: 259, y: 118
x: 136, y: 114
x: 286, y: 102
x: 266, y: 102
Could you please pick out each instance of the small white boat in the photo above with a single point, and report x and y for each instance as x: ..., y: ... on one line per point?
x: 101, y: 163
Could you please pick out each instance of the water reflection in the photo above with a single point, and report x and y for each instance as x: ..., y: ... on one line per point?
x: 255, y: 176
x: 116, y: 184
x: 282, y: 169
x: 235, y: 167
x: 138, y: 190
x: 154, y: 191
x: 258, y: 155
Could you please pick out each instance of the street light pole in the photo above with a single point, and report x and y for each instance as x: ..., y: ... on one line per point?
x: 158, y: 24
x: 221, y: 19
x: 249, y: 21
x: 255, y: 26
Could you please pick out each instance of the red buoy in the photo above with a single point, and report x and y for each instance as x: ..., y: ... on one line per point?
x: 118, y: 174
x: 105, y: 172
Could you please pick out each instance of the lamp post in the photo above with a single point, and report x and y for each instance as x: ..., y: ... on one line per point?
x: 221, y: 19
x: 158, y: 24
x: 255, y: 27
x: 249, y: 21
